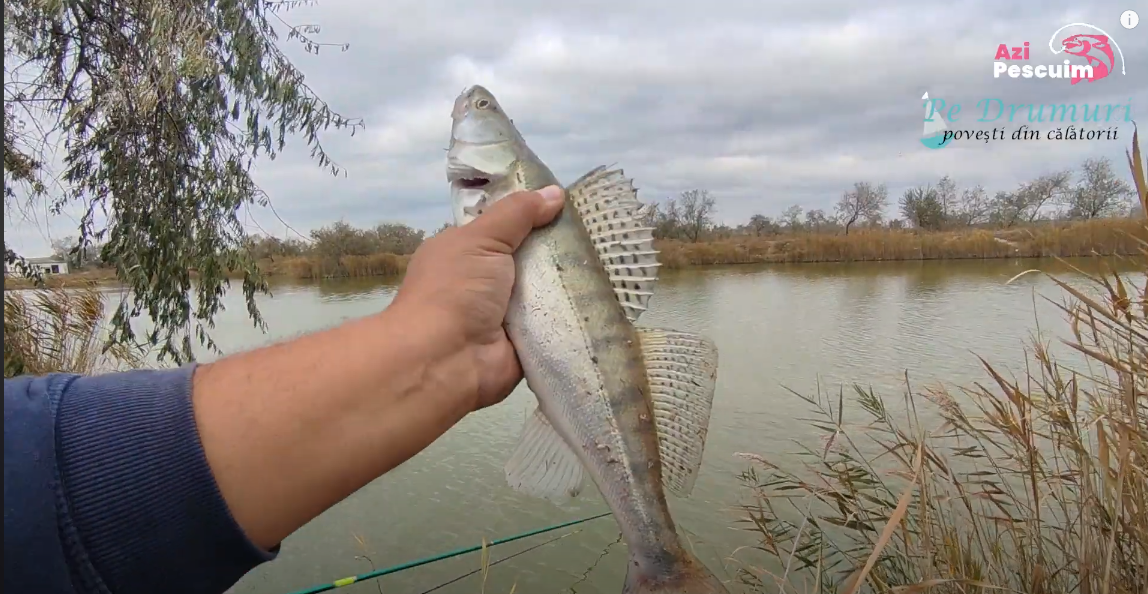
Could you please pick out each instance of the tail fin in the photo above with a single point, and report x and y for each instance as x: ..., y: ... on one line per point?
x: 686, y: 576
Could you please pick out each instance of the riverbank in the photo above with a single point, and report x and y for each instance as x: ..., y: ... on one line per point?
x: 836, y: 327
x: 1025, y: 484
x: 1028, y: 480
x: 1103, y: 237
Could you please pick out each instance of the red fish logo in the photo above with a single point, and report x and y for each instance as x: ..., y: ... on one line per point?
x: 1096, y: 50
x: 1096, y: 47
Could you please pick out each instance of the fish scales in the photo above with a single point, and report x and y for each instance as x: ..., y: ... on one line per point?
x: 600, y: 370
x: 629, y: 406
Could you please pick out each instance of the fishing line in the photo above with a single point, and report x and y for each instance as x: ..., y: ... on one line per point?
x: 347, y: 581
x: 506, y: 558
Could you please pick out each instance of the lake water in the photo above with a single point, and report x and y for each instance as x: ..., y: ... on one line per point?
x: 776, y: 327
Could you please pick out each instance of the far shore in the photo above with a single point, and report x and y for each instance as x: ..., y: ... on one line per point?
x: 1103, y: 237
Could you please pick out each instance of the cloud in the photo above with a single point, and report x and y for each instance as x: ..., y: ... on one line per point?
x: 763, y: 105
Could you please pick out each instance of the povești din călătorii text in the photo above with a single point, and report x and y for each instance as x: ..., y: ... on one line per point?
x: 1026, y: 132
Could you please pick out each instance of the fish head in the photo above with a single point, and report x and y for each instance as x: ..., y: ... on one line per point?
x: 488, y: 159
x: 1081, y: 44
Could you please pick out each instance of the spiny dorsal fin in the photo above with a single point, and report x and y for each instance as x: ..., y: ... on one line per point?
x: 542, y: 464
x: 608, y: 204
x: 682, y: 369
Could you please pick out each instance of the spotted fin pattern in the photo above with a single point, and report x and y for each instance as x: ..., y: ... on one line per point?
x: 608, y: 204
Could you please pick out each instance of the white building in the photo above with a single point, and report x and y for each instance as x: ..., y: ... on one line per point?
x: 47, y: 265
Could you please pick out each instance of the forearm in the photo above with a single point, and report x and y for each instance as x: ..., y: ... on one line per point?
x: 181, y: 480
x: 291, y: 429
x: 105, y: 475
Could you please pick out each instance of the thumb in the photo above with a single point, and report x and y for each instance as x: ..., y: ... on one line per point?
x: 509, y: 220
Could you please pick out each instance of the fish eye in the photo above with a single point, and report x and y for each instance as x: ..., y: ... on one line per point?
x: 482, y: 104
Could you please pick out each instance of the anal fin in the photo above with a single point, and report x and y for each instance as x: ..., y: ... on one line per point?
x: 542, y: 464
x: 682, y: 370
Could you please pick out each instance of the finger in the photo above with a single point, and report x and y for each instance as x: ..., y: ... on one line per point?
x: 509, y: 220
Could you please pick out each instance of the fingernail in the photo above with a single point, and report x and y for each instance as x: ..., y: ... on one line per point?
x: 551, y: 194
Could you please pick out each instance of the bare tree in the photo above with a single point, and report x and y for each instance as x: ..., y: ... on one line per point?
x: 946, y: 197
x: 1047, y: 189
x: 697, y: 208
x: 817, y: 220
x: 1008, y: 208
x: 972, y: 208
x: 791, y: 217
x: 1098, y: 193
x: 665, y: 218
x: 64, y: 249
x: 864, y: 201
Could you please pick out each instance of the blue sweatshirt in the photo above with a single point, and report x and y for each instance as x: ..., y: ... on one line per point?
x: 107, y: 489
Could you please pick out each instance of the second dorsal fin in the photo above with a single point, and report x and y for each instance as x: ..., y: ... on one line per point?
x: 609, y: 207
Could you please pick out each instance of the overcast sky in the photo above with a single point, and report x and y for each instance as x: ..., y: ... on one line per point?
x: 763, y: 105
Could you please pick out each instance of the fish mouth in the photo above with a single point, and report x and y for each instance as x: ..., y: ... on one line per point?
x: 468, y: 178
x: 471, y: 183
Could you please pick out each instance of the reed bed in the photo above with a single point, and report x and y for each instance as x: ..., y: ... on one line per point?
x: 57, y: 281
x: 346, y: 266
x: 1035, y: 485
x: 1102, y: 237
x: 60, y: 330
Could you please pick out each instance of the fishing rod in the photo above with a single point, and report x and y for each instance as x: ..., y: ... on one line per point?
x: 347, y: 581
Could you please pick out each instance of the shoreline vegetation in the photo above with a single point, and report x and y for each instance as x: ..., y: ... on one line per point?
x: 1035, y: 482
x: 1068, y: 213
x: 1098, y: 237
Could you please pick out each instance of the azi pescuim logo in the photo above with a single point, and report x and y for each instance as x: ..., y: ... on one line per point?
x: 1097, y: 49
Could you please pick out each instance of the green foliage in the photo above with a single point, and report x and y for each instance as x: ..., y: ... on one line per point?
x: 341, y: 239
x: 19, y: 265
x: 263, y: 247
x: 161, y: 107
x: 922, y: 207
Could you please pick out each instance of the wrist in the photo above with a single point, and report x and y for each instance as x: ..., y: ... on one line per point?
x: 435, y: 357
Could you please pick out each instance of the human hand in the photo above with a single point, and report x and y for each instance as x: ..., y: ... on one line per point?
x: 460, y: 281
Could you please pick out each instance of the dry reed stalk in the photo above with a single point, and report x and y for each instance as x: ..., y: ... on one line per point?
x: 60, y: 330
x: 1035, y: 485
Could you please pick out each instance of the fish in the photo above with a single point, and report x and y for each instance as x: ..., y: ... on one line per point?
x: 1087, y: 46
x: 627, y: 405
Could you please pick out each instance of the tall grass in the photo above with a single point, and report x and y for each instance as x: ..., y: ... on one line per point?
x: 56, y: 329
x: 300, y: 267
x: 1036, y: 485
x: 346, y: 266
x: 1102, y: 237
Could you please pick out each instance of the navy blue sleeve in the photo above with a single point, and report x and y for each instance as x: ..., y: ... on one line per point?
x: 106, y: 486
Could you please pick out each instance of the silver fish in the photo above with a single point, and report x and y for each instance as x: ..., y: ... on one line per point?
x: 628, y: 405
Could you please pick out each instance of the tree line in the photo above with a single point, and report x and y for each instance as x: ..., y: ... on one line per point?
x: 1095, y: 191
x: 330, y: 242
